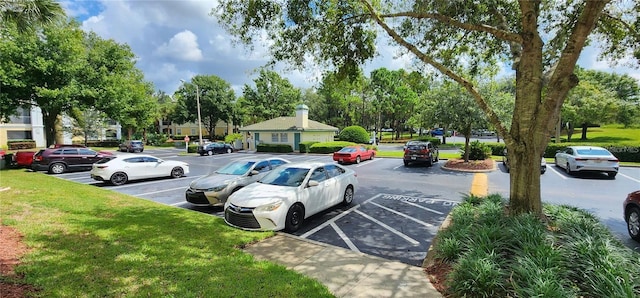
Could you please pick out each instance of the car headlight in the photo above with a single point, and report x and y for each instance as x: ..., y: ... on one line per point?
x: 269, y: 207
x: 217, y: 188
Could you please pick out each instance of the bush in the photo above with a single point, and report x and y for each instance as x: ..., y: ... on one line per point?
x: 279, y: 148
x: 478, y: 151
x: 156, y: 139
x: 306, y: 146
x: 21, y: 144
x: 329, y: 147
x: 623, y: 153
x: 232, y: 138
x: 355, y: 133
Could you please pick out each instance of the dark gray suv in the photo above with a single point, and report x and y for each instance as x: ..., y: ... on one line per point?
x: 423, y: 152
x: 132, y: 146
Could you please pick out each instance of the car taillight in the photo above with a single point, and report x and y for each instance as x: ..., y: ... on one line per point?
x: 102, y: 167
x: 37, y: 158
x: 581, y: 159
x: 613, y: 159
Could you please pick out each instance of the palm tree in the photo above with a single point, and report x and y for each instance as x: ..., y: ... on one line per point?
x: 29, y: 14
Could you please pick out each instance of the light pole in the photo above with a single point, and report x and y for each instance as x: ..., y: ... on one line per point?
x: 199, y: 117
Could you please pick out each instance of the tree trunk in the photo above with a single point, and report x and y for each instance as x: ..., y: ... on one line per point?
x: 49, y: 119
x: 525, y: 181
x: 584, y: 132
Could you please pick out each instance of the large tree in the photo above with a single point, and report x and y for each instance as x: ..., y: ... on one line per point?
x: 28, y: 15
x: 216, y: 102
x: 541, y: 39
x: 273, y: 96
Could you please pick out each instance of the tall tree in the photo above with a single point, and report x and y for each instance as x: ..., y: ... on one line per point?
x: 542, y: 39
x: 394, y: 95
x: 216, y: 102
x: 273, y: 96
x: 27, y: 15
x: 588, y: 105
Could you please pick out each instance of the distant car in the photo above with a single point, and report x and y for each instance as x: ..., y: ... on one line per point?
x: 22, y: 159
x: 285, y: 197
x: 60, y: 160
x: 132, y: 146
x: 373, y: 141
x: 353, y: 154
x: 587, y: 159
x: 215, y: 188
x: 505, y: 162
x: 423, y: 152
x: 631, y: 209
x: 119, y: 169
x: 213, y: 148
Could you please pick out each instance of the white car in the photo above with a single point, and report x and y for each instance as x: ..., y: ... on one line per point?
x: 587, y: 159
x: 215, y: 188
x: 289, y: 194
x: 118, y: 169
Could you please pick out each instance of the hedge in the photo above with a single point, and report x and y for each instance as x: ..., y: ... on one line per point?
x: 278, y: 148
x: 329, y: 147
x: 305, y: 146
x: 21, y: 144
x: 622, y: 152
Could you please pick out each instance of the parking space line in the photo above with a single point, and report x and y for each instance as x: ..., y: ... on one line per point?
x: 392, y: 230
x: 422, y: 207
x: 553, y: 169
x: 404, y: 215
x: 628, y: 177
x: 328, y: 222
x: 152, y: 182
x: 159, y: 191
x: 344, y: 237
x: 367, y: 162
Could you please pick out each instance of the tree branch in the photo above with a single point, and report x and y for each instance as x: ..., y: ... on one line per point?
x: 501, y: 34
x: 493, y: 117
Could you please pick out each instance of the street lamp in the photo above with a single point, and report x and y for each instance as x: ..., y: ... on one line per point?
x: 199, y: 117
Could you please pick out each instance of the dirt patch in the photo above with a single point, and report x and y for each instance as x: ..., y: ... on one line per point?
x: 473, y: 165
x: 437, y: 274
x: 11, y: 249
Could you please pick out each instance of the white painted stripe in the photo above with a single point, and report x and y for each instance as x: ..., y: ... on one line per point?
x: 628, y: 177
x: 367, y: 162
x: 392, y: 230
x: 328, y: 222
x: 152, y: 182
x: 344, y: 237
x: 404, y: 215
x: 176, y: 204
x: 422, y: 207
x: 554, y: 169
x: 159, y: 191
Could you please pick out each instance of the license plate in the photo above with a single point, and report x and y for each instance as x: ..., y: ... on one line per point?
x: 341, y: 159
x: 413, y: 157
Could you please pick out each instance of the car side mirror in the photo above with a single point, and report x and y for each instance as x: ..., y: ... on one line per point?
x: 312, y: 183
x: 253, y: 172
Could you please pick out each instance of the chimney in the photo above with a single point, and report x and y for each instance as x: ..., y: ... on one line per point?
x: 302, y: 116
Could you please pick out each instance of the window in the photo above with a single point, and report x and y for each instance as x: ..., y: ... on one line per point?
x: 23, y: 116
x: 193, y: 131
x: 179, y: 131
x: 150, y: 159
x: 284, y: 138
x: 18, y: 135
x: 262, y: 167
x: 70, y: 152
x: 133, y: 159
x: 319, y: 175
x: 276, y: 163
x: 84, y: 151
x: 274, y: 138
x: 334, y: 170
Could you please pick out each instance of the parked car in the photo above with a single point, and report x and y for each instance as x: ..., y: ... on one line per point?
x: 631, y: 209
x: 22, y: 159
x: 132, y: 146
x: 215, y: 188
x: 587, y: 159
x: 213, y: 148
x: 119, y: 169
x: 353, y: 154
x: 423, y: 152
x: 505, y: 162
x: 60, y: 160
x: 286, y: 196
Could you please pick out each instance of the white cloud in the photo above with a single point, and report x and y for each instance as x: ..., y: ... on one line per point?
x: 182, y: 46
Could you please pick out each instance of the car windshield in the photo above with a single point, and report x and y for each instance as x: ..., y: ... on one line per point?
x: 105, y: 160
x: 347, y: 150
x: 236, y: 168
x: 598, y: 152
x: 286, y: 177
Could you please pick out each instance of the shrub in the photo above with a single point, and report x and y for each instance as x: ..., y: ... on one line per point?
x: 478, y: 151
x: 156, y: 139
x: 305, y: 146
x: 279, y: 148
x: 21, y: 144
x: 355, y: 133
x: 230, y: 139
x: 329, y: 147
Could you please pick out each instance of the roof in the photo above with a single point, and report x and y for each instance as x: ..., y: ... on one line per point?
x: 287, y: 124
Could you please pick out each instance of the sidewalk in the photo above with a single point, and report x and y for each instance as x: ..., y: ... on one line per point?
x: 345, y: 273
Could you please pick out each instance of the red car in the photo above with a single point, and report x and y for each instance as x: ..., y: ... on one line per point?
x: 632, y: 214
x: 22, y: 159
x: 353, y: 154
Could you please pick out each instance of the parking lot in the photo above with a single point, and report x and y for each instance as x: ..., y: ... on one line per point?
x: 396, y: 210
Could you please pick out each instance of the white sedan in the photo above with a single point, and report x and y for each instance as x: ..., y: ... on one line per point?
x: 289, y: 194
x: 119, y: 169
x: 587, y: 159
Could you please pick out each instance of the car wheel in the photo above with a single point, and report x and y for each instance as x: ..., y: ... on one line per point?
x: 57, y: 168
x: 229, y: 150
x: 372, y: 156
x: 406, y: 163
x: 612, y: 175
x: 568, y: 169
x: 210, y: 152
x: 348, y: 196
x: 437, y: 158
x: 130, y: 150
x: 430, y: 161
x: 295, y: 217
x: 119, y: 178
x: 633, y: 223
x: 357, y: 159
x: 177, y: 172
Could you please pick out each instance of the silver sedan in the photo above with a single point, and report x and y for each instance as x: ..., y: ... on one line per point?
x: 587, y: 159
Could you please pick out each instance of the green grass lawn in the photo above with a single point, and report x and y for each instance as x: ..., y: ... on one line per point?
x: 90, y: 242
x: 606, y: 134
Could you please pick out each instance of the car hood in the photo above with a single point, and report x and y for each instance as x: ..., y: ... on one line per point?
x: 214, y: 179
x: 257, y: 194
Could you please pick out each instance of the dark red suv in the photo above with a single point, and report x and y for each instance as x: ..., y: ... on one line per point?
x: 632, y: 214
x: 60, y: 160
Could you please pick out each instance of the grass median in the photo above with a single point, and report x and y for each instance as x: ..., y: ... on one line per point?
x: 89, y: 242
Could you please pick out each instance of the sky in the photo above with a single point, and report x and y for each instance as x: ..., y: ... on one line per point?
x: 175, y: 40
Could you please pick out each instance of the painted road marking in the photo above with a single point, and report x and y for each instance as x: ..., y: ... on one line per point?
x: 152, y: 182
x: 479, y: 185
x: 159, y: 191
x: 344, y: 237
x: 392, y: 230
x: 328, y: 222
x: 404, y: 215
x: 628, y: 177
